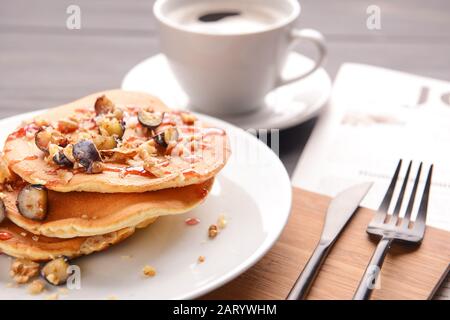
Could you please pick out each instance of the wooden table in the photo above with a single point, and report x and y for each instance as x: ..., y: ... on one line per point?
x: 43, y: 64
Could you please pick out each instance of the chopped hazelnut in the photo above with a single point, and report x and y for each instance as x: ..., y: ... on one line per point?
x: 149, y: 271
x: 41, y: 122
x: 67, y: 126
x: 111, y: 127
x: 36, y: 287
x: 97, y: 167
x: 188, y: 118
x: 55, y: 271
x: 151, y: 165
x: 213, y: 231
x: 147, y: 149
x: 103, y: 105
x: 23, y: 270
x: 201, y: 259
x: 68, y: 152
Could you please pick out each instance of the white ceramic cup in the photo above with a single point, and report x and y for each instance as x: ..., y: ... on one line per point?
x: 229, y: 73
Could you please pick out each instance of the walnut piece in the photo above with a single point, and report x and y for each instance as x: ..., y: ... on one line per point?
x: 22, y: 270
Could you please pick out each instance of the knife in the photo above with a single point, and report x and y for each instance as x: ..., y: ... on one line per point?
x: 339, y: 212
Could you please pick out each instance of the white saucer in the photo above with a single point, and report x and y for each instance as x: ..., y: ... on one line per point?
x: 286, y: 106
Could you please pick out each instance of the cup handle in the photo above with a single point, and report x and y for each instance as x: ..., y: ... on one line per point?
x: 315, y: 37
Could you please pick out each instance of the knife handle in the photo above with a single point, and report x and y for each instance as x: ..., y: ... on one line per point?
x: 301, y: 287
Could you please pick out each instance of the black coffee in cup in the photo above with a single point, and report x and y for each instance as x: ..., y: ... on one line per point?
x: 226, y: 17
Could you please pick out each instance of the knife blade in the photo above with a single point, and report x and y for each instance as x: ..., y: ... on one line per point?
x: 339, y: 212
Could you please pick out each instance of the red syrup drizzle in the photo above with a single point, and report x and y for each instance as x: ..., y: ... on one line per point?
x: 192, y: 221
x: 5, y: 235
x: 138, y: 171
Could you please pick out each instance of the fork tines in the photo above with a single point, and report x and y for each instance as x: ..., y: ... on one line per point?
x: 383, y: 222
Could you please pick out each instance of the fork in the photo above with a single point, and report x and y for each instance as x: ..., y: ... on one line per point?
x: 390, y: 228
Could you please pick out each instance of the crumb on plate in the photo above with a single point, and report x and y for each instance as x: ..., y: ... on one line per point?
x: 201, y: 259
x: 36, y: 287
x: 12, y: 285
x: 63, y: 291
x: 222, y: 222
x: 53, y: 296
x: 149, y: 271
x: 212, y: 231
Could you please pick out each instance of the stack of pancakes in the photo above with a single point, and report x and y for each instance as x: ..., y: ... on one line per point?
x: 74, y: 182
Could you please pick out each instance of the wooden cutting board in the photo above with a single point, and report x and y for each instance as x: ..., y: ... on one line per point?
x: 408, y: 272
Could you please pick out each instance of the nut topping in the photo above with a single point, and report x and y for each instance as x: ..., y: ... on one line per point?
x: 168, y: 136
x: 55, y: 271
x: 103, y: 105
x: 22, y: 270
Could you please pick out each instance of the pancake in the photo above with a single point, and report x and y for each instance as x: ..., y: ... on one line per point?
x: 81, y: 214
x: 18, y: 243
x: 133, y: 157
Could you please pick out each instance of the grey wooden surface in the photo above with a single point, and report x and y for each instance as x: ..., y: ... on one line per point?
x: 43, y: 64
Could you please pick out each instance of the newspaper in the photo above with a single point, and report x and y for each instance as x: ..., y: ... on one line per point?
x: 376, y: 117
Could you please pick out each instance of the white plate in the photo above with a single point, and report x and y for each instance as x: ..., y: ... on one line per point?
x: 286, y: 106
x: 254, y: 193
